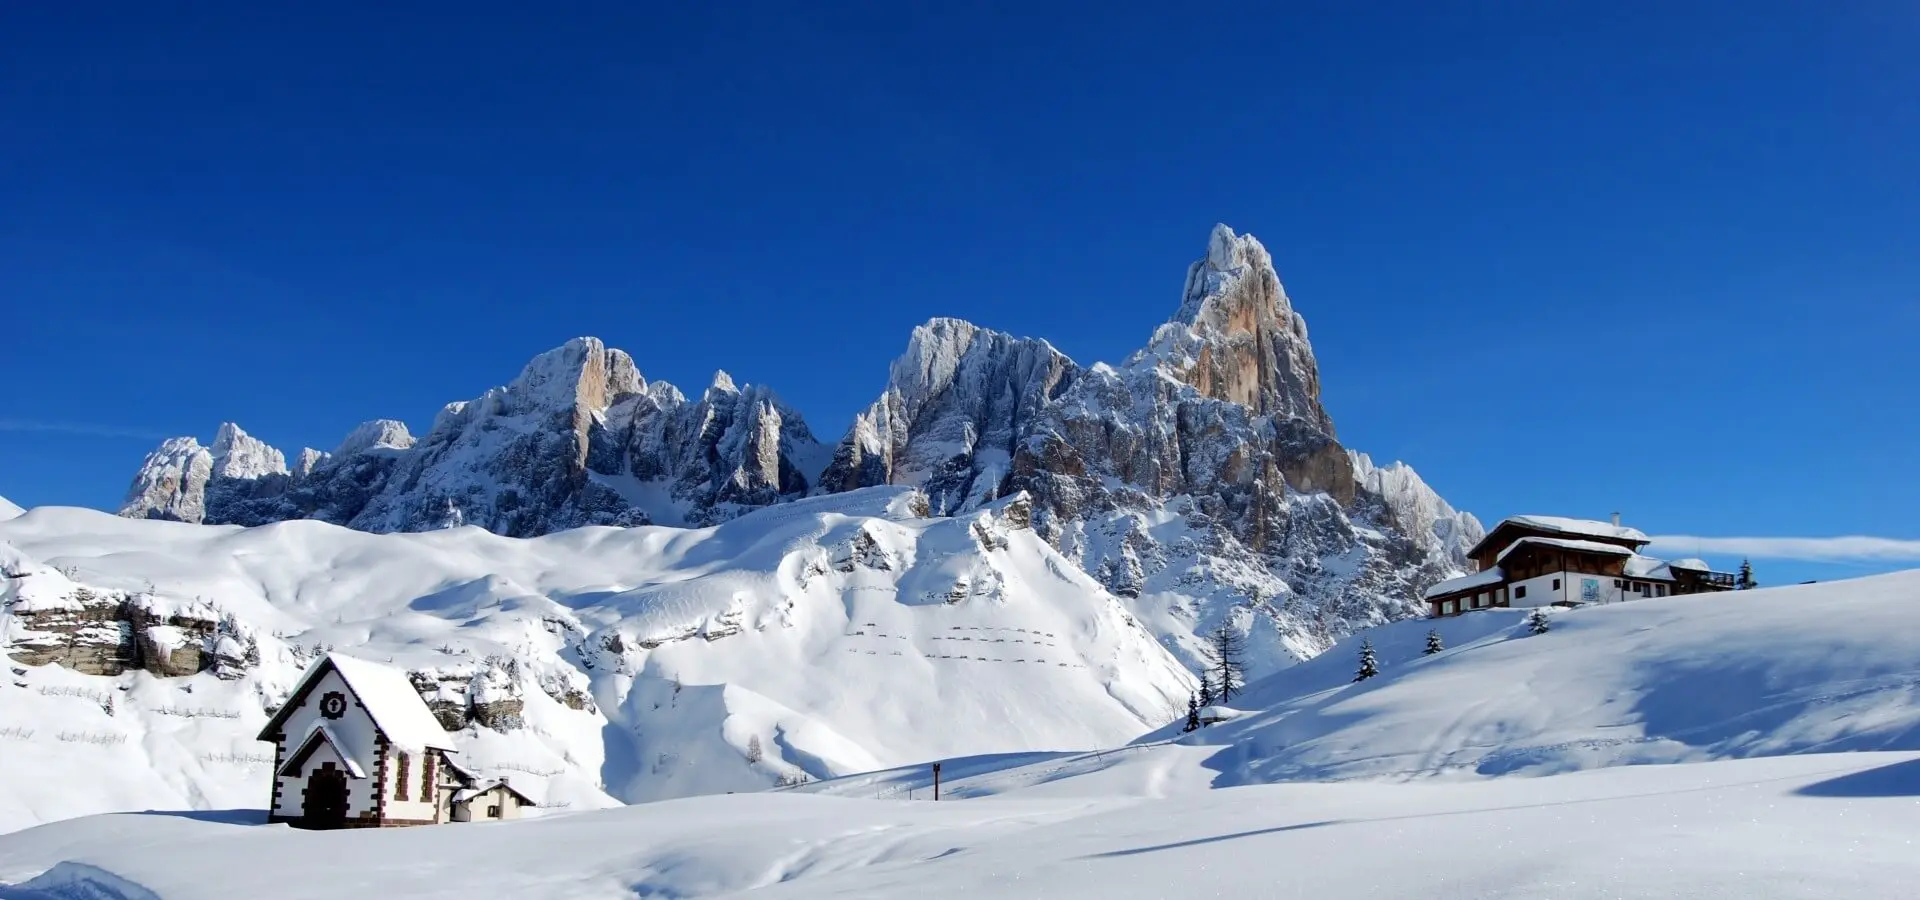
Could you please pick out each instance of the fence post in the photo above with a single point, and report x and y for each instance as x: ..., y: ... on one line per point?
x: 936, y: 781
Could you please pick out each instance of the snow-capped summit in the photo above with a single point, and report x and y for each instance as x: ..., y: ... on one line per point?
x: 378, y: 433
x: 9, y: 509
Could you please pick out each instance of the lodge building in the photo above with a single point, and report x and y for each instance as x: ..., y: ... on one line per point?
x: 1529, y: 561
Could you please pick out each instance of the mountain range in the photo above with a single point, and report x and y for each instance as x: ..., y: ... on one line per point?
x: 1201, y: 479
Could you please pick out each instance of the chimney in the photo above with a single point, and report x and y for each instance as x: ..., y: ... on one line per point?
x: 1616, y: 520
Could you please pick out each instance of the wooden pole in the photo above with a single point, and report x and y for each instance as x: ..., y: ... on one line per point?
x: 936, y: 781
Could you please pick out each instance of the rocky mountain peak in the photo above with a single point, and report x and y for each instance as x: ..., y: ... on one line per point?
x: 1237, y: 337
x: 583, y: 372
x: 237, y: 454
x: 377, y: 433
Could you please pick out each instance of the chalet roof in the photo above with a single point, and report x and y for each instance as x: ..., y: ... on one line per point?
x: 317, y: 735
x: 1649, y: 568
x: 468, y: 795
x: 1585, y: 528
x: 1690, y: 565
x: 387, y: 695
x: 1567, y: 544
x: 1486, y: 578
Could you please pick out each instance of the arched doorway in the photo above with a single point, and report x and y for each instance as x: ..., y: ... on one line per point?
x: 325, y: 804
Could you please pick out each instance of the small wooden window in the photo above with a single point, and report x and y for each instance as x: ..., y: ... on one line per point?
x: 493, y: 812
x: 1556, y: 584
x: 1520, y: 593
x: 427, y: 773
x: 400, y: 782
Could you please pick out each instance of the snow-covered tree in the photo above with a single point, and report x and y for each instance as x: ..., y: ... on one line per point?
x: 1193, y: 713
x: 1369, y: 663
x: 1745, y: 580
x: 1434, y: 644
x: 1206, y: 688
x: 1537, y: 623
x: 755, y: 753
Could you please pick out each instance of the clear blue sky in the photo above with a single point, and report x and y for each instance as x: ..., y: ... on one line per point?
x: 1562, y: 257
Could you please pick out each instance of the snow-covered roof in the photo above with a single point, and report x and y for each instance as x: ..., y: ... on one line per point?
x: 395, y: 706
x: 388, y: 696
x: 1220, y: 713
x: 1487, y: 578
x: 320, y: 733
x: 1567, y: 544
x: 467, y: 795
x: 1690, y: 564
x: 1649, y: 568
x: 1587, y: 527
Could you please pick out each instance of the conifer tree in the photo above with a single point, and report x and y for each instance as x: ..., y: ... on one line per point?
x: 1537, y: 623
x: 1434, y: 644
x: 1369, y: 664
x: 1229, y: 666
x: 1206, y: 688
x: 1193, y: 713
x: 1745, y: 581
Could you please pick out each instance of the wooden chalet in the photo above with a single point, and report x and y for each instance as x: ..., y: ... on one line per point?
x: 1528, y: 561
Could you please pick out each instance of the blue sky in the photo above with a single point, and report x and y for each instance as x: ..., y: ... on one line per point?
x: 1568, y: 258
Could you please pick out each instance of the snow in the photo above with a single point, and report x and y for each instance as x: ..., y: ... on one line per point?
x: 1717, y: 747
x: 1491, y: 576
x: 1822, y: 826
x: 320, y: 732
x: 841, y: 632
x: 1566, y: 544
x: 8, y: 509
x: 1587, y: 527
x: 1648, y: 567
x: 389, y: 698
x: 1800, y: 669
x: 1690, y: 564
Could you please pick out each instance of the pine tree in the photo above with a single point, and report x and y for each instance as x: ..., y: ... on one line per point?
x: 1537, y: 623
x: 1206, y: 688
x: 1434, y: 644
x: 1745, y: 581
x: 1369, y: 663
x: 755, y: 752
x: 1193, y: 713
x: 1229, y: 667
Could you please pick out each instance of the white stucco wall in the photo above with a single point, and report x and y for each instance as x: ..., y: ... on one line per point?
x: 355, y: 730
x: 418, y: 806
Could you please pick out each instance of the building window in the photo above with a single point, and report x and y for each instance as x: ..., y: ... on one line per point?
x: 493, y: 812
x: 1660, y: 590
x: 1618, y: 583
x: 1446, y: 607
x: 1556, y: 584
x: 427, y: 773
x: 1520, y: 593
x: 400, y: 786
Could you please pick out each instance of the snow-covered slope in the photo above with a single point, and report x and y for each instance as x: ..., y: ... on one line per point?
x: 1812, y: 828
x: 1803, y: 669
x: 817, y: 638
x: 8, y: 509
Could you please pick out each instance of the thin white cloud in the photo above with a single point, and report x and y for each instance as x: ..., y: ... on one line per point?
x: 78, y: 429
x: 1850, y: 548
